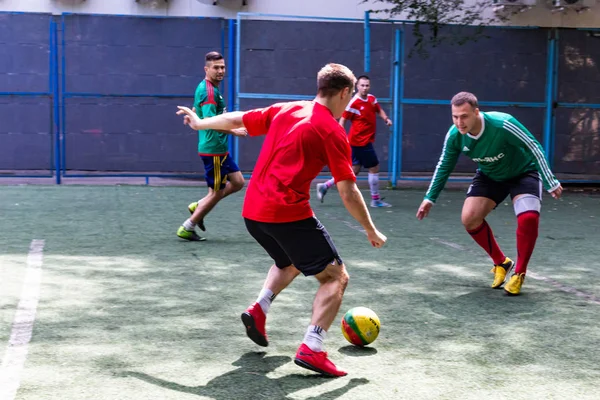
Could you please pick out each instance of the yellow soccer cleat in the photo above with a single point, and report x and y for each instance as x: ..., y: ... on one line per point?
x: 192, y: 236
x: 513, y: 287
x: 500, y: 272
x: 192, y: 207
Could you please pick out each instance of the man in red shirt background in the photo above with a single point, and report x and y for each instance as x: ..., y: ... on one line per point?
x: 302, y: 137
x: 362, y: 113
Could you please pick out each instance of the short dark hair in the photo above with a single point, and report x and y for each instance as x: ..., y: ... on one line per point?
x: 213, y: 56
x: 463, y: 98
x: 333, y: 78
x: 363, y: 77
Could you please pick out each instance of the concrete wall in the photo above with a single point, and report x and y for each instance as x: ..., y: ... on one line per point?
x: 540, y: 15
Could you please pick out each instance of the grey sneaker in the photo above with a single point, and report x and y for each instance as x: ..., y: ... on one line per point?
x: 379, y: 203
x: 321, y: 191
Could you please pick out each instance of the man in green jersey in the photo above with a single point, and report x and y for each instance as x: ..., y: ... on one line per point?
x: 223, y: 176
x: 510, y: 162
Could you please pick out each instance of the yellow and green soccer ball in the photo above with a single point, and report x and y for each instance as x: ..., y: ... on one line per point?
x: 360, y: 326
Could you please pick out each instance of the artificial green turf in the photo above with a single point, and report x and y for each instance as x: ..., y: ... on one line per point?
x: 128, y: 310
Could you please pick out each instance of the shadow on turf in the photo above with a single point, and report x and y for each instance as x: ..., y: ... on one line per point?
x: 357, y: 351
x: 250, y: 381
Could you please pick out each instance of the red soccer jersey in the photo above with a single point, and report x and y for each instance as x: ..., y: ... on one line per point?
x: 363, y: 114
x: 301, y: 138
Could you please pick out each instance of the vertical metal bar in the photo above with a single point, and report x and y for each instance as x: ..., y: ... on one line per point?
x: 549, y: 96
x: 55, y: 98
x: 367, y: 29
x: 397, y: 107
x: 391, y: 96
x: 231, y: 78
x: 223, y: 89
x: 554, y: 97
x: 237, y: 85
x: 51, y: 56
x: 63, y: 87
x: 52, y: 99
x: 222, y: 36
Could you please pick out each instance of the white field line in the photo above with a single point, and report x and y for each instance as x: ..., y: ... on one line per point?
x: 562, y: 287
x: 22, y: 327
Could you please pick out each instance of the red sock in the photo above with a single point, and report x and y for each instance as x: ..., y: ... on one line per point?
x: 485, y: 238
x: 527, y: 233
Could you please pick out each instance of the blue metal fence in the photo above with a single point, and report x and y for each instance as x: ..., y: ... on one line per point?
x: 82, y: 43
x: 241, y: 94
x: 35, y: 25
x: 64, y: 91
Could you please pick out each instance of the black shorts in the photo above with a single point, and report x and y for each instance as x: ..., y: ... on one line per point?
x: 305, y: 244
x: 364, y: 156
x: 484, y: 186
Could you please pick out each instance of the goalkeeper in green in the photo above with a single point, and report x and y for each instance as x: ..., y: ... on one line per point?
x: 510, y: 162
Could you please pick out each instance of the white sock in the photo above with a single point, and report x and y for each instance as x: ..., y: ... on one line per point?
x: 374, y: 185
x: 189, y: 225
x: 265, y: 298
x: 314, y: 337
x: 330, y: 183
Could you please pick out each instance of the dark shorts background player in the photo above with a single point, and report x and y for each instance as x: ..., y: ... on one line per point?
x: 223, y: 176
x: 301, y: 139
x: 511, y: 162
x: 217, y: 169
x: 362, y: 112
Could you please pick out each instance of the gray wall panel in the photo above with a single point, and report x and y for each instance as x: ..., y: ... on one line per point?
x: 128, y: 55
x: 280, y: 57
x: 381, y: 74
x: 25, y: 52
x: 579, y: 67
x: 510, y: 65
x: 129, y: 135
x: 25, y: 138
x: 425, y: 128
x: 577, y: 141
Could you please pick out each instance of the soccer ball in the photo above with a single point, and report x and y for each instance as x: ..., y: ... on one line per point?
x: 360, y: 326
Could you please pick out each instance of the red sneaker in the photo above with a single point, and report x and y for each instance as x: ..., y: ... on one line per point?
x: 316, y: 361
x: 254, y: 320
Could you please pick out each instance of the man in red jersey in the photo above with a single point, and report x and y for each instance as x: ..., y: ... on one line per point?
x: 362, y: 113
x: 302, y: 137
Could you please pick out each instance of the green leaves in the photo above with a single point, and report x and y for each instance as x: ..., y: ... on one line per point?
x: 437, y: 22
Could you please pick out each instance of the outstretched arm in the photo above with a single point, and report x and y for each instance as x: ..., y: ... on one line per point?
x: 384, y: 117
x: 445, y: 165
x: 355, y: 204
x: 519, y: 136
x: 227, y: 122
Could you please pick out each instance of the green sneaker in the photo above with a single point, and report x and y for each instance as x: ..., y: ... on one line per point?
x: 192, y: 236
x: 191, y: 208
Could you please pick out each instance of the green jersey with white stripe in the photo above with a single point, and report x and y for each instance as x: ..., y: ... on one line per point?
x: 209, y: 102
x: 504, y: 149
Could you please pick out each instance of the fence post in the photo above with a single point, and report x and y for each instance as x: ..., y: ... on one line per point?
x: 63, y: 88
x: 367, y: 30
x: 550, y: 96
x: 231, y: 79
x: 53, y: 72
x: 238, y: 40
x: 397, y: 107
